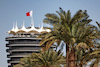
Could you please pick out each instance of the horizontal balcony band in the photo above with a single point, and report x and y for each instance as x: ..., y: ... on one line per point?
x: 18, y: 59
x: 17, y: 38
x: 8, y: 55
x: 17, y: 56
x: 10, y: 61
x: 24, y: 48
x: 17, y: 50
x: 8, y: 45
x: 25, y: 42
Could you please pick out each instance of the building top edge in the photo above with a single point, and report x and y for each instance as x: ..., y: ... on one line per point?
x: 31, y: 29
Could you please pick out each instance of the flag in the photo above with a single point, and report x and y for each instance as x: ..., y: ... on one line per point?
x: 29, y: 13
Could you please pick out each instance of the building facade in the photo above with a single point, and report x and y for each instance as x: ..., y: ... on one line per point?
x: 23, y: 41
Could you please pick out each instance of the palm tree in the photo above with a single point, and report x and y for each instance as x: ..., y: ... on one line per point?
x: 95, y: 63
x: 73, y: 31
x: 90, y: 55
x: 25, y: 62
x: 49, y: 58
x: 84, y: 55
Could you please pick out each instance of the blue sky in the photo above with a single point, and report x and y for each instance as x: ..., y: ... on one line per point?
x: 15, y: 10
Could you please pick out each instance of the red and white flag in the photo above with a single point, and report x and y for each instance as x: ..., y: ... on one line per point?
x: 29, y: 13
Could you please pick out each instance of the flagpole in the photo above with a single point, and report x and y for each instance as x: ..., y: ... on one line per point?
x: 32, y: 22
x: 31, y: 15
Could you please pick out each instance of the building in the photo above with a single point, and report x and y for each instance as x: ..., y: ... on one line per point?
x: 23, y: 41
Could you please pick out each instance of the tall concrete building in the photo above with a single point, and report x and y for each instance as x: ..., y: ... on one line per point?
x: 23, y: 41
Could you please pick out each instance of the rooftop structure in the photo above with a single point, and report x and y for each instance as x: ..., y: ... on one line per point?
x: 29, y: 30
x: 23, y: 41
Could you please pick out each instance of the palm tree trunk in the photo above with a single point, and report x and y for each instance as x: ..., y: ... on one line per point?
x: 67, y: 55
x: 72, y: 58
x: 81, y: 63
